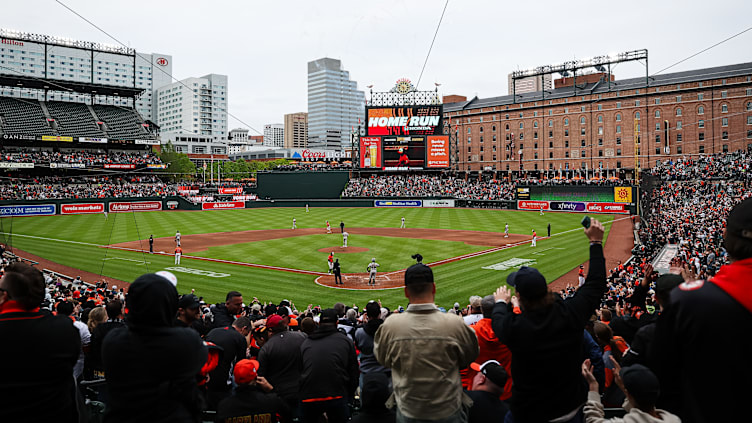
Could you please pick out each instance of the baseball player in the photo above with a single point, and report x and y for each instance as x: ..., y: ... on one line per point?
x: 151, y: 244
x: 581, y: 275
x: 506, y: 230
x: 344, y: 239
x: 306, y: 208
x: 105, y: 214
x: 535, y: 237
x: 294, y: 225
x: 402, y: 226
x: 177, y: 238
x: 328, y: 227
x: 541, y: 211
x: 330, y: 259
x: 372, y: 266
x: 178, y: 253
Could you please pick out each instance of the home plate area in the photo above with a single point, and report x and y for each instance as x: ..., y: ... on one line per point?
x: 386, y: 280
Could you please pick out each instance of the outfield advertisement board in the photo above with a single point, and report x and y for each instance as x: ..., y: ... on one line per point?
x: 9, y: 165
x: 135, y: 206
x: 27, y: 210
x: 398, y: 203
x: 573, y: 206
x: 438, y: 203
x: 532, y: 205
x: 223, y: 205
x: 370, y: 152
x: 81, y: 208
x: 230, y: 190
x: 437, y: 152
x: 119, y: 166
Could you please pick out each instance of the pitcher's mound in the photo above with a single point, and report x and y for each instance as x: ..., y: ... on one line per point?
x: 342, y: 250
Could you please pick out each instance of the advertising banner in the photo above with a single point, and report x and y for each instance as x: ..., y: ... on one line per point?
x: 404, y: 153
x: 56, y: 138
x: 245, y: 197
x: 230, y: 190
x: 146, y: 142
x: 119, y: 166
x: 93, y: 140
x: 398, y: 203
x: 172, y: 205
x: 156, y: 166
x: 623, y: 194
x: 437, y: 152
x: 10, y: 165
x: 82, y: 208
x: 532, y: 205
x: 19, y: 137
x: 67, y: 166
x: 223, y: 205
x: 570, y: 206
x: 135, y: 206
x: 607, y: 208
x: 370, y: 152
x: 27, y: 210
x: 523, y: 193
x: 410, y: 120
x: 438, y: 203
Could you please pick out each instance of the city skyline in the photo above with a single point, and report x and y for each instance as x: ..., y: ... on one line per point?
x: 474, y: 49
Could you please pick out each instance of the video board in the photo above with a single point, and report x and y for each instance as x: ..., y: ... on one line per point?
x: 404, y: 121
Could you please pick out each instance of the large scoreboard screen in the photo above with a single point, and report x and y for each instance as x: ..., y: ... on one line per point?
x: 404, y: 121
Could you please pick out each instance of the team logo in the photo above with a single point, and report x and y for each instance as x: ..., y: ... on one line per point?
x: 161, y: 61
x: 692, y: 285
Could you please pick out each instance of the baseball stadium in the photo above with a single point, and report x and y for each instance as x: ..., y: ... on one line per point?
x: 98, y: 200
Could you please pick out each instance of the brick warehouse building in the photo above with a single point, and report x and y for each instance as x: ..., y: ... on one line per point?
x: 592, y: 126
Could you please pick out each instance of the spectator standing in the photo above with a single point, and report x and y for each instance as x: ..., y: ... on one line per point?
x: 330, y: 372
x: 224, y: 314
x: 39, y: 352
x: 364, y: 341
x: 546, y: 338
x: 233, y: 341
x: 251, y: 401
x: 189, y: 314
x: 114, y: 310
x: 152, y: 366
x: 488, y: 385
x: 703, y: 318
x: 66, y: 309
x: 281, y: 361
x: 423, y: 346
x: 476, y: 314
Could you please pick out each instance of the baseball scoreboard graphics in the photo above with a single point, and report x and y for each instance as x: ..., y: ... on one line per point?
x: 404, y: 138
x: 578, y: 199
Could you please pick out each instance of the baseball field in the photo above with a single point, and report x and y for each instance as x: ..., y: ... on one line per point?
x: 256, y: 252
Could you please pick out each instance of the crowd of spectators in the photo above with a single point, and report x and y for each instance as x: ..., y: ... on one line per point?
x: 721, y: 166
x: 87, y: 158
x: 429, y: 186
x: 45, y: 188
x: 624, y: 336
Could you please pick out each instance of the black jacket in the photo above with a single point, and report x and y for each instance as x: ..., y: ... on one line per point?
x: 234, y: 346
x: 546, y: 348
x: 222, y: 316
x: 251, y: 405
x: 280, y: 362
x: 330, y: 365
x: 151, y: 366
x: 38, y: 354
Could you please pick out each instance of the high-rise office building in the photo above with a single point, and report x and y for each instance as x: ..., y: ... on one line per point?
x: 274, y: 135
x: 296, y: 130
x: 334, y: 104
x: 194, y: 106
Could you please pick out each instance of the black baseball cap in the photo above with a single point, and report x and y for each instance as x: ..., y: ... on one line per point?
x: 528, y: 282
x: 667, y: 282
x: 418, y: 273
x: 493, y: 371
x: 329, y: 315
x: 739, y: 222
x: 641, y: 383
x: 188, y: 301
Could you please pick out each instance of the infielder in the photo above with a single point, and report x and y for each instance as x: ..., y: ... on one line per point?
x: 178, y: 253
x: 177, y: 238
x: 402, y: 226
x: 506, y: 230
x: 535, y: 237
x: 330, y: 259
x: 372, y: 266
x: 344, y: 239
x: 306, y: 208
x: 328, y: 227
x: 294, y: 226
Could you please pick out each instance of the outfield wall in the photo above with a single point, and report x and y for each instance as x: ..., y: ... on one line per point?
x: 301, y: 185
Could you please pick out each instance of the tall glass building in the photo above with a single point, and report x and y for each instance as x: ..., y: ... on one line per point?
x: 334, y: 104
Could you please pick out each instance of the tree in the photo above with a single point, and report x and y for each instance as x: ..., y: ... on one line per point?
x: 179, y: 166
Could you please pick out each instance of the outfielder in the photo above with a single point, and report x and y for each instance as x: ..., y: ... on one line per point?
x: 344, y: 239
x: 535, y: 237
x: 402, y: 226
x: 306, y: 208
x: 178, y: 253
x: 330, y: 259
x: 177, y: 238
x: 541, y: 211
x: 506, y: 230
x: 372, y: 266
x: 294, y: 226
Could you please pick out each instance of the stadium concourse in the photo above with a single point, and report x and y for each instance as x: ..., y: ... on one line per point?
x: 685, y: 205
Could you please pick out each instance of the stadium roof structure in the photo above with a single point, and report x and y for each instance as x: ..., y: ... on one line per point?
x: 600, y: 87
x: 21, y: 81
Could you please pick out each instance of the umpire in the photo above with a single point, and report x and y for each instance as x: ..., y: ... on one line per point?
x: 337, y: 273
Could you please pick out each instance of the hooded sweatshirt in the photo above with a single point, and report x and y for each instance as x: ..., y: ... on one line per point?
x: 490, y: 349
x: 151, y: 366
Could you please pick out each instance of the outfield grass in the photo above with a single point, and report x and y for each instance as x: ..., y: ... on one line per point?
x: 75, y: 241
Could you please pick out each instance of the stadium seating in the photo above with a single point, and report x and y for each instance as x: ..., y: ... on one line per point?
x: 121, y: 123
x: 23, y: 117
x: 74, y: 119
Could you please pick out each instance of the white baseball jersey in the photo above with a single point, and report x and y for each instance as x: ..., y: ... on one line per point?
x: 372, y: 267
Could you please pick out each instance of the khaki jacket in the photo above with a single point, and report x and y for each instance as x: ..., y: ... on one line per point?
x: 426, y: 349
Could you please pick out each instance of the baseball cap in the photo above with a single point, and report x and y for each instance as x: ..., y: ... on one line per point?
x: 493, y: 371
x: 667, y: 282
x: 418, y: 273
x: 188, y: 301
x: 641, y: 383
x: 528, y: 282
x: 329, y: 315
x: 169, y: 276
x: 739, y: 222
x: 273, y: 321
x: 246, y: 371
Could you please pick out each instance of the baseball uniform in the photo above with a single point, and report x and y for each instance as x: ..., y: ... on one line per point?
x: 403, y: 223
x: 506, y: 230
x: 535, y: 237
x: 293, y: 223
x: 177, y: 238
x: 178, y: 253
x: 330, y: 259
x: 344, y: 238
x: 328, y: 227
x: 372, y: 266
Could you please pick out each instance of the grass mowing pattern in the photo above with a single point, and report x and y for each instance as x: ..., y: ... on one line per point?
x: 455, y: 281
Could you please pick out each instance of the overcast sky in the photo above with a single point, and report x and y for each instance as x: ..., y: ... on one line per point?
x: 264, y: 46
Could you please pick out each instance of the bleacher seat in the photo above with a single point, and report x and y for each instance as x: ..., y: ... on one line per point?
x: 74, y: 119
x: 23, y: 117
x: 121, y: 123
